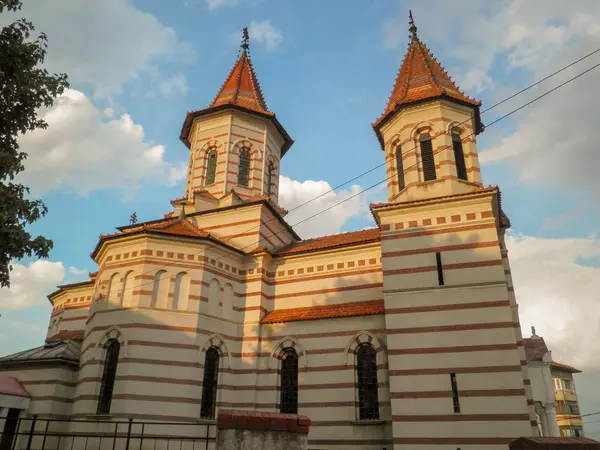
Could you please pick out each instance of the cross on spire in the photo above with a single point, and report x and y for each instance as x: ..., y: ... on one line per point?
x: 413, y: 27
x: 245, y: 39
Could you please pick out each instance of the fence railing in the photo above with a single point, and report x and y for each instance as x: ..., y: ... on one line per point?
x: 38, y: 433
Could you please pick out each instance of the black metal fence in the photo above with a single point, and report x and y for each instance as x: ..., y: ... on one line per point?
x: 38, y: 433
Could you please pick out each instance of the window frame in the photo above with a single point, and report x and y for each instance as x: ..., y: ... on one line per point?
x: 459, y: 156
x: 400, y: 168
x: 270, y: 170
x: 427, y: 157
x: 367, y: 383
x: 247, y: 166
x: 210, y: 384
x: 288, y: 381
x: 211, y: 167
x: 112, y: 350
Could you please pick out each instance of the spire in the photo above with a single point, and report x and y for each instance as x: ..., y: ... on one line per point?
x: 241, y: 88
x: 421, y: 77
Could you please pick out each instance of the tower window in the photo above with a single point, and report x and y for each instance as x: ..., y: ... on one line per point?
x: 459, y: 156
x: 209, y: 384
x: 440, y: 270
x: 108, y: 376
x: 211, y: 167
x: 244, y: 167
x: 366, y: 371
x: 427, y: 157
x: 289, y: 382
x: 455, y: 400
x: 400, y: 168
x: 270, y: 171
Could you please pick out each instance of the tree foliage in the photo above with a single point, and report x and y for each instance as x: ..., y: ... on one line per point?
x: 24, y: 88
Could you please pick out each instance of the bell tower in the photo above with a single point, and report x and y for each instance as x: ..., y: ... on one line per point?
x: 428, y: 130
x: 236, y: 144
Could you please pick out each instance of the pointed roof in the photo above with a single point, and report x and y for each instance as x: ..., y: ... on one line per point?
x: 241, y: 90
x: 421, y: 77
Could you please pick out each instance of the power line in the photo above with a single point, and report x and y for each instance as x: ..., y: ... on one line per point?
x: 409, y: 167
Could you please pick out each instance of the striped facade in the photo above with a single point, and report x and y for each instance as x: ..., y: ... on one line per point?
x: 428, y: 290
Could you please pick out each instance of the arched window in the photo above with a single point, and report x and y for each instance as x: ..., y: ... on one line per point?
x: 160, y: 289
x: 111, y: 287
x: 459, y: 156
x: 214, y: 297
x: 366, y: 374
x: 211, y: 167
x: 244, y: 167
x: 400, y: 168
x: 270, y: 171
x: 108, y: 376
x: 181, y: 291
x: 209, y: 384
x: 427, y: 157
x: 289, y: 382
x: 127, y: 289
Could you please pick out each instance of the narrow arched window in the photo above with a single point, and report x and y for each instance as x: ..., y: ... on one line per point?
x: 209, y: 384
x: 211, y: 166
x: 270, y: 171
x: 244, y: 167
x: 400, y: 168
x: 127, y: 289
x: 181, y: 291
x: 108, y: 376
x: 427, y: 157
x: 160, y: 289
x: 111, y: 287
x: 366, y: 374
x: 289, y: 382
x: 459, y: 156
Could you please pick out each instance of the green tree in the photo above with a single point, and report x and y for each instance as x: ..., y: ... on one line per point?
x: 24, y: 88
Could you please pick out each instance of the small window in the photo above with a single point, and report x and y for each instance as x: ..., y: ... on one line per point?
x: 209, y: 384
x: 400, y: 168
x: 289, y: 382
x: 270, y: 179
x: 366, y: 372
x: 211, y: 167
x: 459, y: 156
x: 427, y: 157
x: 455, y: 399
x: 108, y: 376
x: 244, y: 167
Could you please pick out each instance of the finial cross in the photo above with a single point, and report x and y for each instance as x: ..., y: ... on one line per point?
x: 245, y: 39
x: 413, y: 26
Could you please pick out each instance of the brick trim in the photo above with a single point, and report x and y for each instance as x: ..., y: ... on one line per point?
x: 252, y: 420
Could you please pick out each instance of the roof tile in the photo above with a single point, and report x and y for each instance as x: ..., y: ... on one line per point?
x: 317, y: 312
x: 332, y: 241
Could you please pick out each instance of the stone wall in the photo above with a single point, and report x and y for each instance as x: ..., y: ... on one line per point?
x: 247, y: 430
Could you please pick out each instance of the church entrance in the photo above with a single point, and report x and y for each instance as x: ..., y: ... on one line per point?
x: 10, y: 428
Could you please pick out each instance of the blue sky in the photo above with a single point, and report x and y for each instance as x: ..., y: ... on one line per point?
x: 326, y: 70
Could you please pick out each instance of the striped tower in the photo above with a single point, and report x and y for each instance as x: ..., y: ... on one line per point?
x: 457, y: 370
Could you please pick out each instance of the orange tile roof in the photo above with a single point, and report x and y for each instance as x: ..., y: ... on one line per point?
x: 332, y: 241
x: 420, y: 77
x: 241, y: 88
x: 12, y: 386
x: 367, y: 308
x: 559, y: 366
x: 67, y: 335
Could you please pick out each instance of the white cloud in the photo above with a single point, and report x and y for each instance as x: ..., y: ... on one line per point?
x: 294, y: 193
x: 84, y: 150
x: 558, y: 291
x: 265, y: 32
x: 31, y: 284
x: 75, y: 271
x: 177, y: 84
x: 92, y: 52
x: 216, y: 4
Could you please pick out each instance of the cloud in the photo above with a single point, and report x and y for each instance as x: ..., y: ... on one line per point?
x: 75, y: 271
x: 265, y: 32
x: 84, y: 149
x: 558, y: 291
x: 177, y: 84
x: 92, y: 53
x: 216, y: 4
x: 294, y: 193
x: 30, y: 284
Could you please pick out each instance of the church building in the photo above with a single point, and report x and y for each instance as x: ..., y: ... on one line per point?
x: 402, y: 336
